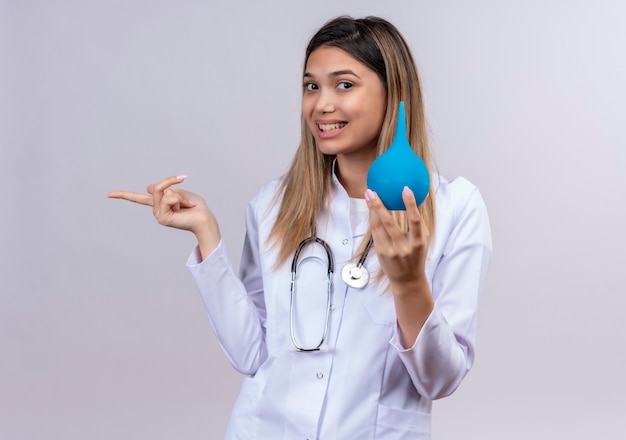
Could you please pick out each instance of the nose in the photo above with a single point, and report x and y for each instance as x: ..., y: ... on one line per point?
x: 325, y: 102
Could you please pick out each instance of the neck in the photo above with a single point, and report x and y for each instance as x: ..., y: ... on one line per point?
x: 352, y: 173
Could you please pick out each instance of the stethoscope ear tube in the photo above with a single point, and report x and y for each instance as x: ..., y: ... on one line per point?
x: 302, y: 245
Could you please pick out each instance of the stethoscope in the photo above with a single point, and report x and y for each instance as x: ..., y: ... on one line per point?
x: 354, y: 275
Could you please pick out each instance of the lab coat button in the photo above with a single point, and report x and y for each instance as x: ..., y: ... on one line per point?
x: 333, y: 307
x: 345, y: 241
x: 319, y: 376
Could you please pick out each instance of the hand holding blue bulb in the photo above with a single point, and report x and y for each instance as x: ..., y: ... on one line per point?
x: 398, y: 167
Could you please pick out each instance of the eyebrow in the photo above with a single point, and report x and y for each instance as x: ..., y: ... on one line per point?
x: 334, y: 74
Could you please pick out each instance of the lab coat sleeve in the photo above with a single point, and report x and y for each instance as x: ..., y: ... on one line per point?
x: 444, y: 350
x: 235, y: 307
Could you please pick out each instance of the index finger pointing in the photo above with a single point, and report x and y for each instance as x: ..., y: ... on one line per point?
x: 135, y: 197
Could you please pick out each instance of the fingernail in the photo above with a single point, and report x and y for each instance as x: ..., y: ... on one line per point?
x: 192, y: 203
x: 369, y: 195
x: 406, y: 192
x: 181, y: 177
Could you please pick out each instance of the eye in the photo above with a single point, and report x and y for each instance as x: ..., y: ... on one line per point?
x: 310, y: 87
x: 345, y: 85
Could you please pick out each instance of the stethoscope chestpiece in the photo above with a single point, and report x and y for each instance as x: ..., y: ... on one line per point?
x: 355, y: 275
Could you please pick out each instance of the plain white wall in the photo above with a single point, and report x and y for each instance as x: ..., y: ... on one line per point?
x: 102, y: 334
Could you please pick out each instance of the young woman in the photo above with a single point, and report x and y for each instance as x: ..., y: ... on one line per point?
x: 330, y: 354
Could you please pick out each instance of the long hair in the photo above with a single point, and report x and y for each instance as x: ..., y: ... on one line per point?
x: 306, y: 187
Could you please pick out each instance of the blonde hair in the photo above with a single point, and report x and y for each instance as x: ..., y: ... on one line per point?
x: 306, y: 187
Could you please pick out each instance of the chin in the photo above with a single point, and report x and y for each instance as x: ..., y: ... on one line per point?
x: 332, y: 146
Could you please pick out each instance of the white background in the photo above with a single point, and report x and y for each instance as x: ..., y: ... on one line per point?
x: 102, y: 335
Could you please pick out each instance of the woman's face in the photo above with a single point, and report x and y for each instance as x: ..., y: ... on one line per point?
x: 344, y: 103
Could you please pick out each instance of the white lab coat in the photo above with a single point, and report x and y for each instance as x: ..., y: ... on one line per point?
x: 364, y: 385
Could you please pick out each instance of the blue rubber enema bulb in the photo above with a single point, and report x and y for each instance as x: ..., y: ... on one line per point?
x: 398, y: 167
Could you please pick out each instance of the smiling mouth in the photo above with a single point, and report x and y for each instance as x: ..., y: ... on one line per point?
x: 331, y: 127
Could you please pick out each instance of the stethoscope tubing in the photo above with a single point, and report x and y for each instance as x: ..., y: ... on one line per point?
x: 356, y: 282
x: 294, y: 268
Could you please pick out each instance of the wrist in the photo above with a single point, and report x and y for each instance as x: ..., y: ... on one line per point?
x: 417, y: 286
x: 208, y: 239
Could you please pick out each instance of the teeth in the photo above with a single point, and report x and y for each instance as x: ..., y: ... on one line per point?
x: 331, y: 127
